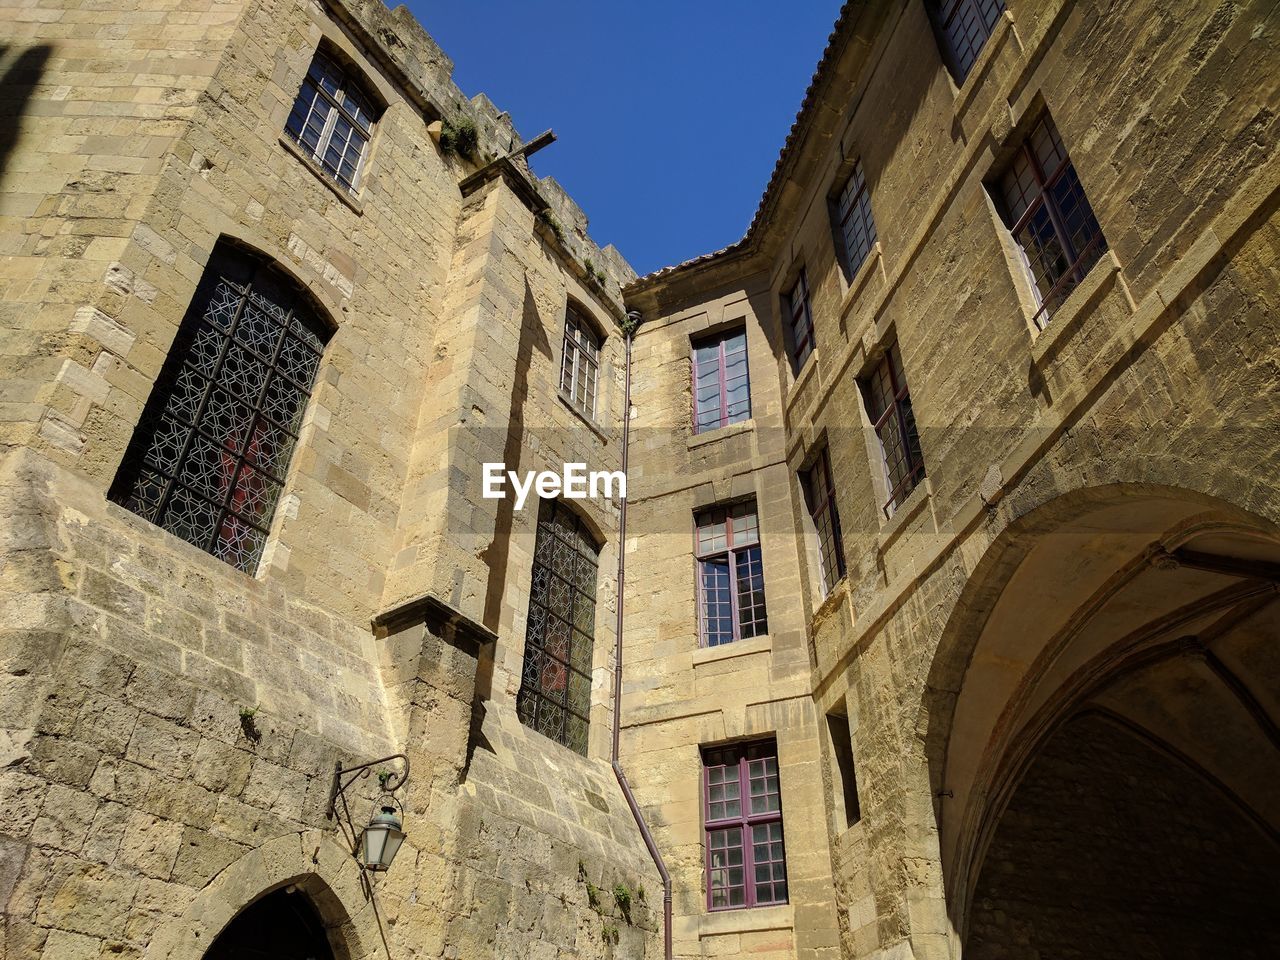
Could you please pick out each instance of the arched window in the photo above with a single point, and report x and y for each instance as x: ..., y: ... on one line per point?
x: 555, y: 693
x: 209, y: 456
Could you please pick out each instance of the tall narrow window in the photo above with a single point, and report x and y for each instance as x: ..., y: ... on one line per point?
x: 820, y: 497
x: 842, y: 754
x: 966, y: 25
x: 746, y: 855
x: 856, y: 227
x: 209, y: 456
x: 580, y: 362
x: 1050, y: 217
x: 332, y: 120
x: 721, y: 388
x: 555, y: 692
x: 800, y: 321
x: 730, y: 575
x: 889, y: 408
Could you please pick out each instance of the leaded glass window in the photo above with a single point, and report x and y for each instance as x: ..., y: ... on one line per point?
x: 730, y: 575
x: 209, y: 455
x: 332, y: 120
x: 580, y: 362
x: 721, y: 385
x: 1050, y: 217
x: 746, y: 860
x: 857, y: 227
x: 555, y: 691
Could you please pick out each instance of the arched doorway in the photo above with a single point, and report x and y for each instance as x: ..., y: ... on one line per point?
x: 283, y: 925
x: 1103, y: 736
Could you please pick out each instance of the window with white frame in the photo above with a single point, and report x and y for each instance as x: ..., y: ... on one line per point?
x: 580, y: 362
x: 332, y: 121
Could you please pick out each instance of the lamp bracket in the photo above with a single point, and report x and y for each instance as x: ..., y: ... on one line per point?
x: 344, y: 777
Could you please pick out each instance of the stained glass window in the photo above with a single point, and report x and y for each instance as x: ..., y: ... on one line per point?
x: 208, y: 458
x: 746, y: 854
x: 332, y: 120
x: 555, y: 690
x: 730, y: 575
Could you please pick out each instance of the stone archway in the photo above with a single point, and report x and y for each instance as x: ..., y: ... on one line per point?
x: 310, y: 865
x: 1154, y: 607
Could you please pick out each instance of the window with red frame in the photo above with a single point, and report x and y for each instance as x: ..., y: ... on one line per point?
x: 721, y: 386
x: 966, y: 25
x: 889, y: 408
x: 1050, y: 217
x: 746, y: 855
x: 857, y: 227
x: 800, y: 321
x: 555, y: 688
x: 820, y: 498
x: 730, y: 575
x: 209, y: 456
x: 580, y: 362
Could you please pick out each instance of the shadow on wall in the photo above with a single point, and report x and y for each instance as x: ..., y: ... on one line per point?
x: 21, y: 73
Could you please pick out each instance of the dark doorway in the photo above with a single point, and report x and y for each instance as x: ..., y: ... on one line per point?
x: 281, y: 926
x: 1114, y: 848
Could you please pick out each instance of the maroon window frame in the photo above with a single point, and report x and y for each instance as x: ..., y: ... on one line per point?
x: 820, y: 497
x: 746, y: 858
x: 800, y: 320
x: 730, y: 575
x: 889, y: 408
x: 1050, y: 217
x: 580, y: 362
x: 857, y: 226
x: 966, y: 26
x: 721, y: 381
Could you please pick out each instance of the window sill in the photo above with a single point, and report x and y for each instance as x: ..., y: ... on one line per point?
x: 721, y: 433
x: 858, y: 282
x: 802, y: 379
x: 730, y: 920
x: 965, y: 93
x: 727, y: 651
x: 595, y: 427
x: 318, y: 172
x: 918, y: 499
x: 1064, y: 321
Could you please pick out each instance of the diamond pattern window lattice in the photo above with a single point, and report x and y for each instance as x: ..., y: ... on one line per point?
x: 555, y: 691
x: 208, y: 458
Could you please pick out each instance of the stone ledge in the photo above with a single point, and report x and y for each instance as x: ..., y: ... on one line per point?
x: 721, y: 433
x: 728, y: 651
x: 318, y: 172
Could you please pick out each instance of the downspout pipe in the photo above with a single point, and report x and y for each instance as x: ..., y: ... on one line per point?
x: 633, y: 321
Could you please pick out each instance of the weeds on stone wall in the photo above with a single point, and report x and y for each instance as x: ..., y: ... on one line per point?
x: 458, y: 137
x: 248, y: 725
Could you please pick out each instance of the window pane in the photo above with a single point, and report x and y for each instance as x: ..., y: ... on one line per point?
x: 725, y: 863
x: 858, y: 229
x: 752, y: 620
x: 206, y: 461
x: 717, y: 612
x: 332, y: 119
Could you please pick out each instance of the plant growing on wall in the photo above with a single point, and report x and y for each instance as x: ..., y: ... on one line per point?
x: 248, y: 726
x: 458, y: 137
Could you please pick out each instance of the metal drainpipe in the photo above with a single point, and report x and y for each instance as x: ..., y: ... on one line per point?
x: 633, y: 321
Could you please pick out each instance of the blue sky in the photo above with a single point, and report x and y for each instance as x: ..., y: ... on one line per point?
x: 670, y: 114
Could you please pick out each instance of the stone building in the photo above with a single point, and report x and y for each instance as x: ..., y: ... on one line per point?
x: 951, y: 550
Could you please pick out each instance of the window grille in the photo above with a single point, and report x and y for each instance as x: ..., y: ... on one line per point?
x: 209, y: 456
x: 555, y: 691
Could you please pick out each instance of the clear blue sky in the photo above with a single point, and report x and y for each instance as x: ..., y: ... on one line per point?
x: 670, y: 114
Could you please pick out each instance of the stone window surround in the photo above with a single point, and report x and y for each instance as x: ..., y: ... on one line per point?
x: 351, y: 102
x: 848, y: 209
x: 887, y: 369
x: 581, y: 349
x: 721, y: 339
x: 743, y: 754
x: 732, y: 550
